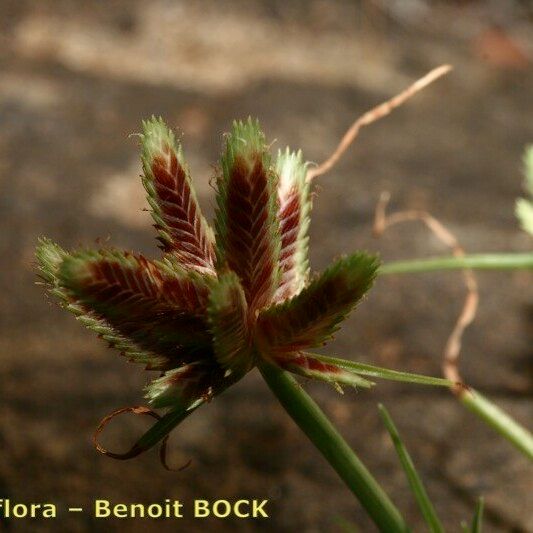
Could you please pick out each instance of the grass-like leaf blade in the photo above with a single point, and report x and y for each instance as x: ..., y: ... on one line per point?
x: 365, y: 369
x: 417, y: 487
x: 495, y: 417
x: 311, y: 367
x: 477, y: 520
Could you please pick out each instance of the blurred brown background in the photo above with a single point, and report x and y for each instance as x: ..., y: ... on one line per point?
x: 76, y: 78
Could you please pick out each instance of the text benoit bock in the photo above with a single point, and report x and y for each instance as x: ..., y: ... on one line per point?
x: 102, y: 509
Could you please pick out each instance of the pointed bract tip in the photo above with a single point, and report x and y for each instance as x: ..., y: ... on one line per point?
x: 171, y: 389
x: 49, y: 256
x: 157, y: 139
x: 356, y: 270
x: 291, y: 169
x: 246, y: 140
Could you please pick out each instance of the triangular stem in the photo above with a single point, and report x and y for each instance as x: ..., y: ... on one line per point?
x: 318, y: 428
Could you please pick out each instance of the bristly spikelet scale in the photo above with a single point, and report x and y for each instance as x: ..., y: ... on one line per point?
x: 108, y: 276
x: 123, y: 296
x: 230, y: 325
x: 311, y: 318
x: 183, y: 231
x: 181, y: 387
x: 247, y: 227
x: 294, y: 216
x: 50, y: 256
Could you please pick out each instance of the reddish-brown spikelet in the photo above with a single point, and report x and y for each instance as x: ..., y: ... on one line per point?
x: 294, y: 210
x: 175, y: 209
x: 289, y: 213
x: 247, y: 226
x: 248, y: 246
x: 312, y: 317
x: 159, y: 309
x: 144, y: 282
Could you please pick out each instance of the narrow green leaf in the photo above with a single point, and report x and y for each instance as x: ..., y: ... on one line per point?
x: 415, y: 482
x: 383, y: 373
x: 310, y: 367
x: 477, y: 521
x: 163, y: 427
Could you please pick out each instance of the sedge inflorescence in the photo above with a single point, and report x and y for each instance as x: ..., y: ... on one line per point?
x: 219, y: 301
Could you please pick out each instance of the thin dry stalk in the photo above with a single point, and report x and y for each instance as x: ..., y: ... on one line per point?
x: 380, y: 111
x: 382, y: 221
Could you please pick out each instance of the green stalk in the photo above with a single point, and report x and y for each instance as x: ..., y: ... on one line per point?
x: 499, y: 420
x: 501, y: 261
x: 487, y: 411
x: 314, y: 423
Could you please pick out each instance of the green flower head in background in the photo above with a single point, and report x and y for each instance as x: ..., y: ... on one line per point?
x: 218, y: 302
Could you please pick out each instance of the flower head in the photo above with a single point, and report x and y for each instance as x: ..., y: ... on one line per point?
x: 217, y: 303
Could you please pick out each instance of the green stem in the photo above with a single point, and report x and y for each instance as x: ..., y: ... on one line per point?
x: 495, y: 417
x: 314, y: 423
x: 501, y: 261
x: 499, y: 420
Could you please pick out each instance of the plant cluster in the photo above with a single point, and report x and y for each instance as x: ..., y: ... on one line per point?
x: 221, y: 301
